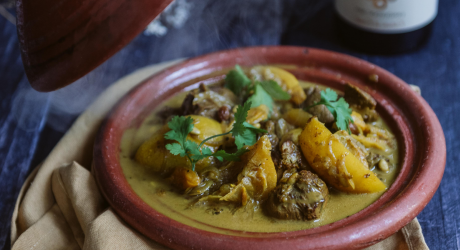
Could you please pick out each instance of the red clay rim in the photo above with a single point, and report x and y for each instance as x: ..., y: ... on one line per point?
x: 415, y: 122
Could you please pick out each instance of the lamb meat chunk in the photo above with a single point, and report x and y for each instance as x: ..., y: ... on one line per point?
x: 228, y: 94
x: 288, y: 157
x: 276, y: 158
x: 356, y: 97
x: 270, y: 127
x: 374, y: 158
x: 209, y: 102
x: 291, y: 157
x: 282, y: 127
x: 205, y: 102
x: 309, y: 90
x: 298, y: 196
x: 187, y: 107
x: 321, y: 111
x: 369, y: 115
x: 224, y: 113
x: 166, y: 113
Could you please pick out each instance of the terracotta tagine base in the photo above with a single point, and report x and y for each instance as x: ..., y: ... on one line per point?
x: 419, y: 133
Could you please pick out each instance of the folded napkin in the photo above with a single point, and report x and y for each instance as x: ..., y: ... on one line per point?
x: 60, y: 206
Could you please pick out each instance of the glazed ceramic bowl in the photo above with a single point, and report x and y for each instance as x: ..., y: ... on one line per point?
x: 419, y: 133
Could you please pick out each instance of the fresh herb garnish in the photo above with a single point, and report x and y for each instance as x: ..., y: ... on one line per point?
x: 275, y: 91
x: 245, y: 135
x: 236, y: 80
x: 260, y: 96
x: 339, y: 108
x: 259, y: 92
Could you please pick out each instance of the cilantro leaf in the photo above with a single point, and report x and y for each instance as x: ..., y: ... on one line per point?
x: 180, y: 127
x: 247, y: 137
x: 242, y: 136
x: 176, y: 149
x: 206, y: 151
x: 260, y: 97
x: 222, y: 155
x: 254, y: 129
x: 244, y: 133
x: 328, y: 95
x: 343, y: 114
x: 274, y: 90
x: 339, y: 109
x: 236, y: 80
x: 240, y: 117
x: 193, y: 150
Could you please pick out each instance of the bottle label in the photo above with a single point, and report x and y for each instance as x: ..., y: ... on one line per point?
x: 388, y: 16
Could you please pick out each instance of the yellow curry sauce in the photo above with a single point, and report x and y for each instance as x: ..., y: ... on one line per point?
x: 160, y: 195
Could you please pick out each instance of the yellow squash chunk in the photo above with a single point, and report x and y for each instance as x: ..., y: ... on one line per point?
x: 358, y: 121
x: 292, y: 135
x: 257, y: 115
x: 334, y: 163
x: 184, y: 178
x: 237, y: 194
x: 153, y: 152
x: 254, y: 117
x: 382, y: 134
x: 204, y: 127
x: 258, y: 177
x: 287, y: 81
x: 297, y: 117
x: 372, y: 142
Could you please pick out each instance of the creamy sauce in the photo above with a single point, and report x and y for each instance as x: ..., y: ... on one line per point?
x: 161, y: 196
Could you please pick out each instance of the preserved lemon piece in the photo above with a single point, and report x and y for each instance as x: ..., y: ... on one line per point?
x: 153, y: 152
x: 359, y: 121
x: 292, y: 135
x: 287, y: 81
x: 333, y: 162
x: 204, y: 127
x: 184, y: 178
x: 297, y: 117
x: 257, y: 115
x: 258, y: 177
x: 371, y: 142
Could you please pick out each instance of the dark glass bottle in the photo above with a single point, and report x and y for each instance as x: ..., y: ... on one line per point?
x: 385, y: 26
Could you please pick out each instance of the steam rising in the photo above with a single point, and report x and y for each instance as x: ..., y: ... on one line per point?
x: 59, y: 108
x: 175, y: 15
x: 193, y: 28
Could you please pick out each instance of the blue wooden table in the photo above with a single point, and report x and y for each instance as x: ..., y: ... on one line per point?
x: 31, y: 123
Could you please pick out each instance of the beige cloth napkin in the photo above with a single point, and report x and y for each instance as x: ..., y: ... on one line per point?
x: 60, y: 206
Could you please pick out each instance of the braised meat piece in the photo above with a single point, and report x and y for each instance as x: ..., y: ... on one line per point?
x: 187, y: 105
x: 288, y: 156
x: 205, y: 102
x: 321, y: 111
x: 166, y: 113
x: 291, y: 157
x: 224, y: 113
x: 356, y: 97
x: 369, y: 115
x: 374, y: 159
x: 282, y: 127
x: 270, y: 127
x: 298, y: 196
x: 361, y: 102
